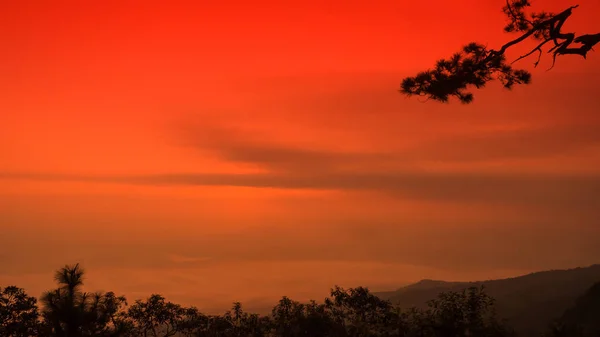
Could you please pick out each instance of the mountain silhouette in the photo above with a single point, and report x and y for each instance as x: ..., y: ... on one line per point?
x: 585, y: 314
x: 529, y: 302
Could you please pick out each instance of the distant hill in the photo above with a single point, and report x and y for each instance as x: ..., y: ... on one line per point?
x: 528, y: 302
x: 585, y: 314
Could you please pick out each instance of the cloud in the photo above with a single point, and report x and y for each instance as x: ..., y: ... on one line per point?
x: 546, y: 190
x: 176, y: 258
x: 240, y: 146
x: 523, y: 143
x: 289, y: 166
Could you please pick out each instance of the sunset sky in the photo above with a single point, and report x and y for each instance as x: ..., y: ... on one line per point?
x: 214, y: 151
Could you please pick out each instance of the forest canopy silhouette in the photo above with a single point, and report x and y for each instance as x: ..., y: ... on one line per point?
x: 69, y: 311
x: 476, y: 65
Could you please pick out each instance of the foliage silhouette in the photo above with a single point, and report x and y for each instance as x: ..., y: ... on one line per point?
x: 475, y: 65
x: 155, y: 316
x: 466, y: 313
x: 354, y: 312
x: 18, y: 313
x: 294, y: 319
x: 70, y: 312
x: 361, y: 313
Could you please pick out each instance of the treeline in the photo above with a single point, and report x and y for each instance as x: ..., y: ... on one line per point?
x: 68, y: 311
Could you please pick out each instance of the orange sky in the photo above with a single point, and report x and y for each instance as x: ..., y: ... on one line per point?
x: 220, y: 151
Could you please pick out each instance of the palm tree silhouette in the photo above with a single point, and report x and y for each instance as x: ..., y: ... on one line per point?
x: 63, y: 306
x: 70, y: 312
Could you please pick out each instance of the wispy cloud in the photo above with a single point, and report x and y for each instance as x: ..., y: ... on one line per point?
x: 176, y: 258
x: 288, y: 166
x: 527, y: 142
x: 521, y: 143
x: 548, y: 190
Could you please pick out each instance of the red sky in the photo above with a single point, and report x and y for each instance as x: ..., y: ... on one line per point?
x: 221, y: 151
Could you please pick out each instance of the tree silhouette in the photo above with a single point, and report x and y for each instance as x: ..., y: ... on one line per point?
x: 294, y: 319
x: 62, y: 306
x: 70, y: 312
x: 467, y: 313
x: 475, y: 65
x: 18, y: 313
x: 360, y: 313
x: 157, y: 317
x: 241, y: 323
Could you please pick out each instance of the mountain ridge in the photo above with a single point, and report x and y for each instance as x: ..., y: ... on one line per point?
x: 528, y: 302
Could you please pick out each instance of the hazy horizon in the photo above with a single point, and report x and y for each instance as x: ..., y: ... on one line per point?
x: 96, y: 281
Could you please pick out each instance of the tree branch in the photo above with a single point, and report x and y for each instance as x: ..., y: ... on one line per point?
x: 561, y: 17
x: 476, y: 65
x: 538, y: 48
